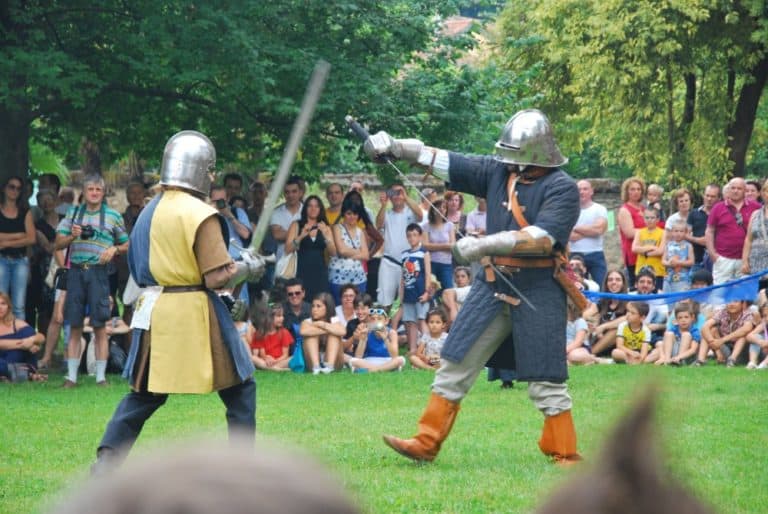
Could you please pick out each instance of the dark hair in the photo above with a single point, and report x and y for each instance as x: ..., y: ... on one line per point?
x: 642, y: 308
x: 320, y: 217
x: 294, y: 180
x: 646, y: 271
x: 330, y: 305
x: 684, y: 307
x: 434, y: 213
x: 413, y: 227
x: 21, y: 202
x: 702, y: 275
x: 53, y: 178
x: 353, y: 202
x: 233, y: 176
x: 605, y: 303
x: 438, y: 311
x: 577, y: 257
x: 363, y: 299
x: 296, y: 281
x: 216, y: 187
x: 261, y: 315
x: 346, y: 287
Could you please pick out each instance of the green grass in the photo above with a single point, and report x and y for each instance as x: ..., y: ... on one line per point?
x: 712, y: 430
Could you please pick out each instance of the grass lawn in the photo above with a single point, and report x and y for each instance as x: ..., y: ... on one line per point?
x: 712, y: 427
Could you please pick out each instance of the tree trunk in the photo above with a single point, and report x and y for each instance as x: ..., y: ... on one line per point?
x: 89, y: 152
x: 14, y: 143
x: 740, y: 131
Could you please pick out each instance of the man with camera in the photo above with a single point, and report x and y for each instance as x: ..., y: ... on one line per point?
x: 95, y: 235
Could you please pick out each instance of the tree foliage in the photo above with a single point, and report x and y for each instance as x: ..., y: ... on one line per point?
x: 669, y: 88
x: 127, y: 75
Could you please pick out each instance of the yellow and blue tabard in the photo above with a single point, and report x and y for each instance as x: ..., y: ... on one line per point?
x: 183, y: 346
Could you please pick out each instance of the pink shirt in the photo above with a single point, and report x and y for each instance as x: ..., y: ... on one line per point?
x: 729, y: 233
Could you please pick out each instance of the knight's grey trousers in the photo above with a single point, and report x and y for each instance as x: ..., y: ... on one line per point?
x: 454, y: 380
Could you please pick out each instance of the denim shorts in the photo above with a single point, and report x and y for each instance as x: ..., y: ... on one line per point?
x: 87, y: 294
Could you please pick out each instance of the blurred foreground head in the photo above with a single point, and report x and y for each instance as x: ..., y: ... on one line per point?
x: 213, y: 477
x: 628, y: 478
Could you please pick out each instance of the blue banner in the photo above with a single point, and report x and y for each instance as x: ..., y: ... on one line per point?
x: 745, y: 288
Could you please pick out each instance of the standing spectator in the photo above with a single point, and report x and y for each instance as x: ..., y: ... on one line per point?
x: 755, y: 253
x: 683, y: 203
x: 239, y: 228
x: 311, y: 238
x: 258, y: 195
x: 95, y: 234
x: 476, y: 218
x: 233, y: 185
x: 697, y: 220
x: 335, y: 195
x: 46, y: 182
x: 649, y: 246
x: 630, y: 219
x: 66, y: 200
x: 653, y: 199
x: 454, y: 203
x: 394, y: 221
x: 439, y: 237
x: 413, y: 285
x: 39, y: 295
x: 295, y: 309
x: 428, y: 197
x: 354, y: 199
x: 134, y: 194
x: 17, y: 233
x: 587, y: 236
x: 752, y: 190
x: 346, y: 267
x: 677, y: 258
x: 727, y: 230
x: 286, y: 213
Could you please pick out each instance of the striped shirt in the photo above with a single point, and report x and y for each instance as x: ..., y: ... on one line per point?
x: 88, y: 251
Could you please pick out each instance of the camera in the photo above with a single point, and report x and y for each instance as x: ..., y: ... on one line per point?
x: 221, y: 203
x: 87, y: 232
x: 377, y: 326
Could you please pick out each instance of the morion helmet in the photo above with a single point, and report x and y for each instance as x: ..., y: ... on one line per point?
x: 527, y: 140
x: 188, y: 158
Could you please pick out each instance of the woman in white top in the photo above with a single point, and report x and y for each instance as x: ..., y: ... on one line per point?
x: 346, y: 310
x: 453, y: 298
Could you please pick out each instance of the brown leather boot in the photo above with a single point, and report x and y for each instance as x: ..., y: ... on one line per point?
x: 558, y: 439
x: 434, y: 426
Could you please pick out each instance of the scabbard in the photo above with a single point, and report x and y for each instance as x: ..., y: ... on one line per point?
x: 569, y: 286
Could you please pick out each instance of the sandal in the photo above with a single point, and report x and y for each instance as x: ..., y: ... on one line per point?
x: 38, y: 377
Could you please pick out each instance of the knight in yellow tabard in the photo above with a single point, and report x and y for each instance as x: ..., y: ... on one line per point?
x: 184, y: 339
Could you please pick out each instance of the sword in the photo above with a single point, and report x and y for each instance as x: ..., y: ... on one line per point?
x: 308, y: 104
x: 363, y: 134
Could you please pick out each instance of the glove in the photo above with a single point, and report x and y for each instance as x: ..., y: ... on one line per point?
x: 470, y: 249
x: 249, y: 268
x: 381, y: 146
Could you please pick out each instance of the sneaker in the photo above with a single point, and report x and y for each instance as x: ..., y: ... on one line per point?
x: 751, y: 365
x: 729, y: 363
x: 762, y: 365
x: 605, y: 360
x: 326, y: 370
x: 316, y: 370
x: 698, y: 364
x: 507, y: 384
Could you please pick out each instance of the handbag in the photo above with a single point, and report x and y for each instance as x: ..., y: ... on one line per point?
x: 286, y: 266
x: 297, y: 359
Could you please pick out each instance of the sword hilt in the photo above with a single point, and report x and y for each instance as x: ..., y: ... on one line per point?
x: 355, y: 127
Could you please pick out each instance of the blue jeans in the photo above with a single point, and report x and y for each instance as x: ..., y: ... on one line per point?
x: 14, y: 275
x: 596, y: 266
x: 444, y: 274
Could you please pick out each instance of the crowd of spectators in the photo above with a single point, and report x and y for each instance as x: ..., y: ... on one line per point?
x: 369, y: 282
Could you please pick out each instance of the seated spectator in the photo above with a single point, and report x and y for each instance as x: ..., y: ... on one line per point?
x: 295, y: 309
x: 269, y: 341
x: 758, y: 341
x: 633, y: 338
x: 430, y: 345
x: 681, y: 340
x: 576, y: 333
x: 358, y: 323
x: 322, y: 336
x: 610, y: 313
x: 579, y: 267
x: 657, y: 316
x: 677, y: 258
x: 18, y: 343
x: 377, y: 349
x: 649, y: 246
x: 454, y: 297
x: 726, y: 333
x: 346, y: 311
x: 311, y: 237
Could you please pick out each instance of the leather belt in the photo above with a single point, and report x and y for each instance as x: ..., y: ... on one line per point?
x: 519, y: 262
x: 85, y: 266
x: 183, y: 289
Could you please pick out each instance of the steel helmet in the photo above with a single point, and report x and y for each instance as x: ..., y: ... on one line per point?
x: 527, y: 140
x: 188, y: 158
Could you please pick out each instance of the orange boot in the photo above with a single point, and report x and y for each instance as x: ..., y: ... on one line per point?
x: 434, y: 426
x: 558, y: 439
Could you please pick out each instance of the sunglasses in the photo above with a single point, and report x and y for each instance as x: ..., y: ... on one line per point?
x: 739, y: 219
x: 380, y: 312
x: 294, y: 293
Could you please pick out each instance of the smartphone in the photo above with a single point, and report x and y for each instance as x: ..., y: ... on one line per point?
x: 221, y: 203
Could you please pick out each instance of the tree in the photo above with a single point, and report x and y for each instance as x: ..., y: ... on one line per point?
x: 669, y: 88
x: 126, y: 75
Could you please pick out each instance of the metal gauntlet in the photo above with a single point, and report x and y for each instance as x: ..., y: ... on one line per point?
x: 528, y: 246
x: 382, y: 145
x: 250, y: 269
x: 470, y: 249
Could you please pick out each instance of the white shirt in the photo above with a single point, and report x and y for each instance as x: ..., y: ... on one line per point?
x: 588, y: 216
x: 282, y: 216
x: 476, y: 221
x: 395, y: 223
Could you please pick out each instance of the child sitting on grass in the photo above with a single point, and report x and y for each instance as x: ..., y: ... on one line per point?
x: 728, y: 327
x: 270, y: 342
x: 376, y: 346
x: 633, y: 337
x: 427, y: 354
x: 681, y: 340
x: 576, y: 330
x: 758, y: 341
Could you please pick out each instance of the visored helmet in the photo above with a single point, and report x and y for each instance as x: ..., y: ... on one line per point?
x: 188, y: 158
x: 527, y: 140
